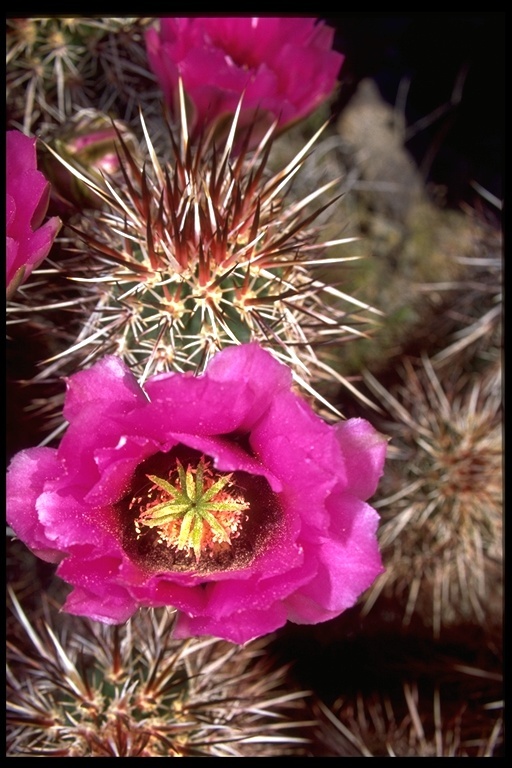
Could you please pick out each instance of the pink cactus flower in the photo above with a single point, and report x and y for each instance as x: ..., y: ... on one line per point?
x: 222, y: 495
x: 28, y: 240
x: 284, y: 67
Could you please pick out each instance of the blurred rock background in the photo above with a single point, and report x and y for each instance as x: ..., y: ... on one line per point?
x: 416, y: 668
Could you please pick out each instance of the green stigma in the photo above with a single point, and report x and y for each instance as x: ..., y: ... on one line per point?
x: 198, y: 512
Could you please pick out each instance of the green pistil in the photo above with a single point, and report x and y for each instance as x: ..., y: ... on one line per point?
x: 200, y: 513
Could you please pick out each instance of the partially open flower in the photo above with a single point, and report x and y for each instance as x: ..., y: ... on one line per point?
x: 284, y: 67
x: 28, y: 240
x: 223, y: 495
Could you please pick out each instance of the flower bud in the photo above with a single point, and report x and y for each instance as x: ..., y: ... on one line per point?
x: 90, y: 143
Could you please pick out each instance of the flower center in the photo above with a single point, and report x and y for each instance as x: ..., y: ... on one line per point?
x: 195, y: 511
x: 181, y: 514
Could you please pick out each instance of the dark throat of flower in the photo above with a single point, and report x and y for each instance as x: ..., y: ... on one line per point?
x: 182, y: 514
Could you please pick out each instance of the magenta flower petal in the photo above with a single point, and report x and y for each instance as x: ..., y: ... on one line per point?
x: 232, y: 396
x: 364, y: 451
x: 88, y: 596
x: 284, y: 67
x: 109, y: 386
x: 28, y: 240
x: 246, y: 624
x: 29, y: 473
x: 222, y: 495
x: 349, y: 554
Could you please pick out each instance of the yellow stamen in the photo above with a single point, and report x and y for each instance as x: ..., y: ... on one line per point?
x: 197, y: 512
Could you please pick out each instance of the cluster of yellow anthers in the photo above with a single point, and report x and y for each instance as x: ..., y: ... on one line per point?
x: 198, y: 513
